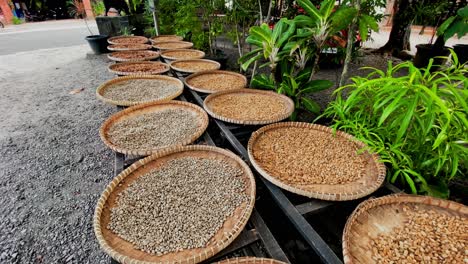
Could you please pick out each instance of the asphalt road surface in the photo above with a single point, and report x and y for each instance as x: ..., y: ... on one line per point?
x: 44, y: 35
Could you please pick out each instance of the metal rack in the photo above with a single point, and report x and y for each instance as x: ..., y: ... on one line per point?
x: 295, y: 212
x: 257, y: 239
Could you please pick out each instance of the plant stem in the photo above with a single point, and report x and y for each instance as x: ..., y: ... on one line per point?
x: 86, y: 22
x: 269, y: 11
x: 349, y: 45
x: 315, y: 65
x: 260, y: 8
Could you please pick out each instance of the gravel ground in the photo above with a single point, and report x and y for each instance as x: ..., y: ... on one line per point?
x: 53, y: 165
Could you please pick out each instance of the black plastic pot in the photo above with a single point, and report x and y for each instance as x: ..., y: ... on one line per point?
x: 462, y: 52
x: 425, y: 52
x: 98, y: 43
x: 220, y: 57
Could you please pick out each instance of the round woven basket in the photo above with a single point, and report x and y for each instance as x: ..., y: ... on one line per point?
x: 123, y: 251
x: 126, y: 47
x: 376, y: 216
x: 189, y: 54
x: 148, y: 55
x: 253, y: 120
x: 127, y: 40
x: 175, y: 65
x: 114, y: 68
x: 108, y: 85
x: 250, y: 260
x: 374, y: 172
x: 169, y: 45
x: 166, y: 38
x: 242, y: 81
x: 148, y: 108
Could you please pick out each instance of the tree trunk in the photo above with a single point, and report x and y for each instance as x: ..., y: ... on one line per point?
x: 349, y: 45
x: 401, y: 29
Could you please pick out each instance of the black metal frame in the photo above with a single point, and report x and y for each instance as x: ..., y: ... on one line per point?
x: 256, y: 231
x: 296, y: 212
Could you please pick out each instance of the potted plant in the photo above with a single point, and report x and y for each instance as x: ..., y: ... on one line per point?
x: 97, y: 43
x: 456, y: 24
x: 213, y: 20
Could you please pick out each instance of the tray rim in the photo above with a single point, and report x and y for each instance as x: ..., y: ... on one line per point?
x: 193, y: 75
x: 154, y: 56
x: 153, y: 39
x: 364, y: 206
x: 240, y: 260
x: 164, y: 56
x: 188, y: 45
x: 114, y: 48
x: 218, y: 65
x: 167, y: 68
x: 142, y: 152
x: 110, y: 40
x: 289, y: 106
x: 105, y: 85
x: 330, y: 196
x: 209, y: 251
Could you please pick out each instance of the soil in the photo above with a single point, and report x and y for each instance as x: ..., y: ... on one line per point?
x: 140, y: 68
x: 134, y: 55
x: 53, y: 164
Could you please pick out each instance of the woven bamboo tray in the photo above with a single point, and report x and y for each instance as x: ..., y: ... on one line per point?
x: 176, y: 65
x: 171, y: 54
x: 250, y: 260
x: 168, y: 45
x: 374, y: 172
x: 124, y: 47
x: 127, y: 40
x: 114, y: 68
x: 148, y: 108
x: 242, y: 81
x: 165, y: 38
x: 108, y: 85
x: 123, y: 251
x: 253, y: 118
x: 148, y: 55
x: 376, y: 216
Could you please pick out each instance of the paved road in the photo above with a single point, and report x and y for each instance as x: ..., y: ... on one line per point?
x: 43, y: 35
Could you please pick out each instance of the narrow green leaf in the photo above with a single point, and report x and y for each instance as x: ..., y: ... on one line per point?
x: 342, y: 18
x: 310, y: 105
x: 261, y: 34
x: 310, y: 8
x: 410, y: 183
x: 407, y: 118
x: 363, y: 31
x: 392, y: 107
x: 246, y: 64
x: 316, y: 85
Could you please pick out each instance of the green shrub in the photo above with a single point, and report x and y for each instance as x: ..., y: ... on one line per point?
x: 417, y: 123
x: 98, y: 7
x: 17, y: 21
